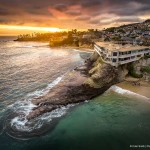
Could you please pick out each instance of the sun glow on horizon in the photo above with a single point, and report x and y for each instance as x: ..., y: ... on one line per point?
x: 44, y: 29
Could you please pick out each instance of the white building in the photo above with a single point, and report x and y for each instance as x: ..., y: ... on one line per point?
x: 116, y: 54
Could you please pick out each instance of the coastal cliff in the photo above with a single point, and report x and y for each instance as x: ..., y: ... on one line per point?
x: 83, y: 83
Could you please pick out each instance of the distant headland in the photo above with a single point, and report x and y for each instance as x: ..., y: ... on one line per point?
x: 137, y: 33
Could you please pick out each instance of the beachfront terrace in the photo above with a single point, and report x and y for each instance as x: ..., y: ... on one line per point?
x: 116, y: 54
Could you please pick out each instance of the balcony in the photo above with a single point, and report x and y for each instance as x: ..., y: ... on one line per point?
x: 128, y: 61
x: 133, y: 54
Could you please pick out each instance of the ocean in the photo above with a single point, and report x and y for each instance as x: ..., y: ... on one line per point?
x: 116, y: 120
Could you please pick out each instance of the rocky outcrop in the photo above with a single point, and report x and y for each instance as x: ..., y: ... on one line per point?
x: 139, y: 68
x: 83, y: 83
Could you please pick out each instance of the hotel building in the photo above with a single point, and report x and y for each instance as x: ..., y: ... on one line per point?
x: 116, y: 54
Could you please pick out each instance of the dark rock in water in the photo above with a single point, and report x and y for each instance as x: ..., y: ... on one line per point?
x: 40, y: 110
x: 85, y: 82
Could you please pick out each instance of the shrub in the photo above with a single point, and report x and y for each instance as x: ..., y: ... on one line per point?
x: 112, y: 29
x: 133, y: 73
x: 146, y: 56
x: 146, y: 69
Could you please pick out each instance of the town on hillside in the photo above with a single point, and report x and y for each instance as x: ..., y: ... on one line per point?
x: 116, y: 46
x: 135, y: 34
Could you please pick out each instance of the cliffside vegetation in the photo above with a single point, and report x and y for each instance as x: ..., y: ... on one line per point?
x: 145, y: 69
x: 132, y: 71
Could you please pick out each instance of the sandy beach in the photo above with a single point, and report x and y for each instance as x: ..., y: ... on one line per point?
x: 142, y: 89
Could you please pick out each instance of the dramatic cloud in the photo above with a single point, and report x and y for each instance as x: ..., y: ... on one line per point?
x: 73, y: 13
x: 83, y: 18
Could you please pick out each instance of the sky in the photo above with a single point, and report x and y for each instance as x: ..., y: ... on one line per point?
x: 27, y: 16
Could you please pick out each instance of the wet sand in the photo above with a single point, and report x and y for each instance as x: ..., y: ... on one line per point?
x: 142, y: 89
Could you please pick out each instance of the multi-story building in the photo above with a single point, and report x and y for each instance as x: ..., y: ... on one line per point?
x: 117, y: 54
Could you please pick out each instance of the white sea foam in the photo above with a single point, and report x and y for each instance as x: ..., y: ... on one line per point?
x: 22, y: 124
x: 23, y: 108
x: 122, y: 91
x: 38, y: 93
x: 56, y: 113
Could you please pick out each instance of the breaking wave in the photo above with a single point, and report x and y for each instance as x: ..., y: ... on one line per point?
x: 16, y: 123
x: 38, y: 93
x: 122, y: 91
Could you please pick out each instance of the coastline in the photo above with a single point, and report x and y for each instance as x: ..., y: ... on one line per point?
x: 143, y: 88
x: 83, y: 83
x: 82, y: 49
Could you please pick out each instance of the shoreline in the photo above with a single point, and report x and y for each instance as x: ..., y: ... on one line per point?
x: 83, y: 83
x: 82, y: 49
x: 142, y: 88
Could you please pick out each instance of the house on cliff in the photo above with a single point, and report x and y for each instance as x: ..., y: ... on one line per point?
x: 117, y: 54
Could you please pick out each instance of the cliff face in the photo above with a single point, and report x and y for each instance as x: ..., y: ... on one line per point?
x: 143, y: 67
x: 139, y: 69
x: 83, y: 83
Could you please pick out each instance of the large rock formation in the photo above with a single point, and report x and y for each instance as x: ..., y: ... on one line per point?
x: 139, y: 68
x: 83, y: 83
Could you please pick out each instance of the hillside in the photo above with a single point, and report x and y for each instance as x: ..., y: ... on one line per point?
x: 137, y: 33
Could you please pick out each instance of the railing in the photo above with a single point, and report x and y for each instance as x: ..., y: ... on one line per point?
x: 100, y: 49
x: 132, y: 54
x: 97, y: 51
x: 128, y: 61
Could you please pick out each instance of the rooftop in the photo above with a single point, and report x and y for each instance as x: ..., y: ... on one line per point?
x: 119, y: 47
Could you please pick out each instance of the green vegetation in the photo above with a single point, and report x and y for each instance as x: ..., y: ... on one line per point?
x: 121, y: 30
x: 132, y: 72
x: 112, y: 29
x: 107, y: 39
x: 146, y: 56
x: 40, y: 36
x: 116, y: 38
x: 75, y: 38
x: 146, y: 43
x: 64, y: 38
x: 146, y: 69
x: 69, y: 40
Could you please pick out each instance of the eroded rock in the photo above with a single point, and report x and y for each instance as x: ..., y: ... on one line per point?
x: 84, y: 83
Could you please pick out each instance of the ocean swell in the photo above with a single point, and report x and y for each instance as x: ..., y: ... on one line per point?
x: 42, y: 92
x: 16, y: 123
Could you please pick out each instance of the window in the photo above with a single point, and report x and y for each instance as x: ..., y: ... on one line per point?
x: 129, y: 52
x: 134, y: 51
x: 114, y: 60
x: 132, y: 57
x: 121, y: 59
x: 115, y: 53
